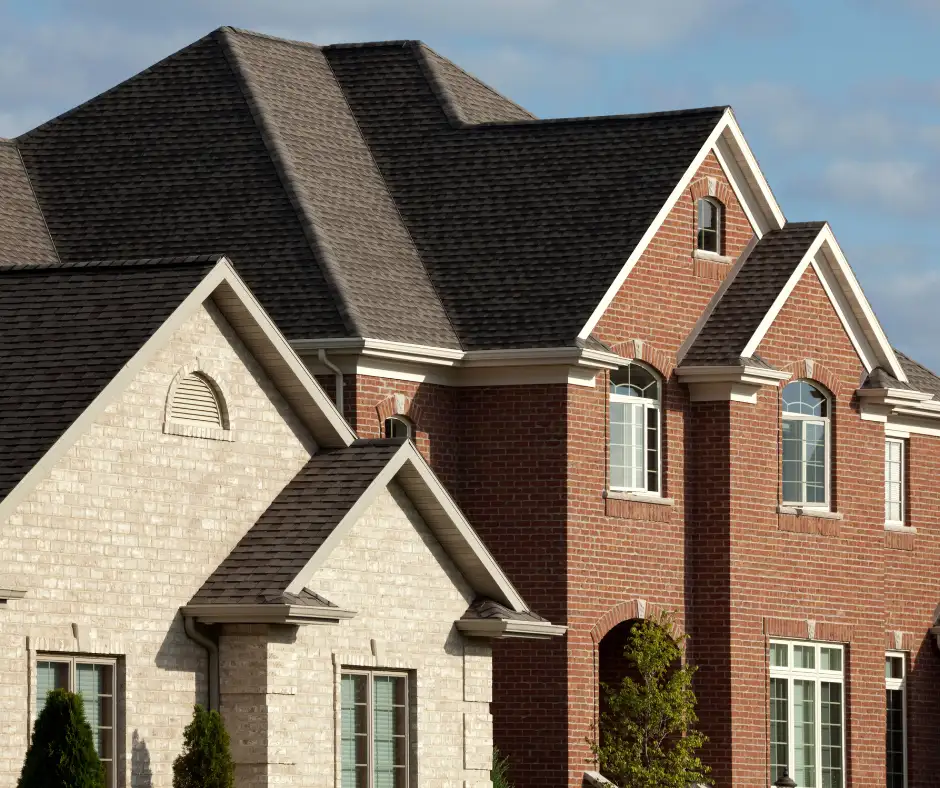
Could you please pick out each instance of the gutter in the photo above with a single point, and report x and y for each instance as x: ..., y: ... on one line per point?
x: 499, y: 628
x: 212, y: 651
x: 321, y: 354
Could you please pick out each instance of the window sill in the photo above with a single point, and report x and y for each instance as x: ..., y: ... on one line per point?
x: 900, y: 528
x: 712, y: 257
x: 808, y: 511
x: 623, y: 495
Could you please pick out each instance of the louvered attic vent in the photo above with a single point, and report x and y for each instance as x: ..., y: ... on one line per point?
x: 196, y: 408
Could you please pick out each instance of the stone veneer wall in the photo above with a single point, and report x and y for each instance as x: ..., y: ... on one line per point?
x: 407, y: 594
x: 124, y: 530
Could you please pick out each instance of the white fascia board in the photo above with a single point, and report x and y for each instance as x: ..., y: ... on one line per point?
x: 344, y: 433
x: 747, y: 181
x: 651, y: 231
x: 844, y: 311
x: 889, y: 396
x: 501, y: 628
x: 115, y: 387
x: 266, y: 614
x: 732, y: 373
x: 409, y: 454
x: 764, y: 326
x: 869, y: 322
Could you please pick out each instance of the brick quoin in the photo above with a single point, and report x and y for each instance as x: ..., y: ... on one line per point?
x: 529, y: 466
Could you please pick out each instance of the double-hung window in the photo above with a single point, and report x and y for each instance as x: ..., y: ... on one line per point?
x: 375, y: 724
x: 896, y: 722
x: 94, y: 680
x: 894, y: 481
x: 708, y: 237
x: 807, y: 713
x: 805, y: 445
x: 635, y: 429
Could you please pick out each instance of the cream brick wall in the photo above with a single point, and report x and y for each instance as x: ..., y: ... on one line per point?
x: 391, y: 570
x: 127, y: 526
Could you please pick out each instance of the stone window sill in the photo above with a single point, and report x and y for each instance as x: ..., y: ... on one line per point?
x: 656, y: 500
x: 900, y: 528
x: 809, y: 511
x: 712, y: 257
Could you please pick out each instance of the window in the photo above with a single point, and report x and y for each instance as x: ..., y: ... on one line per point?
x: 807, y: 713
x: 896, y: 722
x: 375, y: 745
x: 894, y: 481
x: 805, y: 445
x: 709, y: 225
x: 635, y: 429
x: 93, y: 679
x: 397, y: 427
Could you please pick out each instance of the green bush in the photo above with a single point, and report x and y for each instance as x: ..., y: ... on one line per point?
x: 62, y: 751
x: 206, y: 761
x: 499, y: 774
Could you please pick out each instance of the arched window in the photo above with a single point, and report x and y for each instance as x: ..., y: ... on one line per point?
x: 196, y: 401
x: 805, y: 444
x: 635, y: 433
x: 709, y: 225
x: 398, y: 427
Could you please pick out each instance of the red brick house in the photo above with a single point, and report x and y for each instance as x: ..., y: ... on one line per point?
x: 646, y: 389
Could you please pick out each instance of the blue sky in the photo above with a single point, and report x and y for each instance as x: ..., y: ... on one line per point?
x: 839, y: 99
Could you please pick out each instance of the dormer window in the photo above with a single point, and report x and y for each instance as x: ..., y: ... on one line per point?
x: 709, y: 225
x: 398, y: 427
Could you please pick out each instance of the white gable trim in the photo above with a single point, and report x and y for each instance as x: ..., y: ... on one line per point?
x: 728, y: 144
x: 221, y: 275
x: 847, y: 299
x: 451, y: 529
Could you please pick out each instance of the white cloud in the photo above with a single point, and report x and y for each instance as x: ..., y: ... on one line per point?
x: 900, y: 186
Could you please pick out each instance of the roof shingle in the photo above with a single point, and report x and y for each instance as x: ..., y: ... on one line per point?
x: 23, y: 234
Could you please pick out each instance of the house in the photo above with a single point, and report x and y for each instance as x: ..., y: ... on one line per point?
x: 647, y: 390
x: 187, y: 518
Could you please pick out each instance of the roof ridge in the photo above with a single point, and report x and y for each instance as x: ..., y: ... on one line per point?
x: 606, y: 118
x: 422, y: 49
x: 280, y: 157
x: 401, y: 42
x: 155, y: 262
x: 266, y: 36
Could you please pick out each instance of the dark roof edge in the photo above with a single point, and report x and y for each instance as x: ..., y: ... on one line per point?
x: 161, y: 262
x: 390, y: 44
x: 285, y: 171
x: 266, y: 36
x: 605, y: 118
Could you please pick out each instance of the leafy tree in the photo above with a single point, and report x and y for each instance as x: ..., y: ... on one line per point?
x: 206, y: 761
x: 499, y: 774
x: 62, y: 751
x: 647, y: 734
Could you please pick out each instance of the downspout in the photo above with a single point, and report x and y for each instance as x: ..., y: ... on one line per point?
x: 212, y: 651
x: 321, y: 354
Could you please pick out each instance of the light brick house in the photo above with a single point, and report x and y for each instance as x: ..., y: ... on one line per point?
x: 647, y: 390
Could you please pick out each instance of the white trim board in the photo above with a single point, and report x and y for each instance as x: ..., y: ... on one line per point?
x: 748, y: 183
x: 443, y: 517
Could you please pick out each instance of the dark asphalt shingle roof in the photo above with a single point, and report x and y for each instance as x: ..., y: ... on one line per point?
x: 521, y: 225
x: 23, y: 234
x: 921, y: 378
x: 488, y: 609
x: 262, y: 565
x: 65, y: 332
x: 750, y: 295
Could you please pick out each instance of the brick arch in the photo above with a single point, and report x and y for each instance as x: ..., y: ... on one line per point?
x: 712, y: 187
x: 399, y: 405
x: 641, y: 350
x: 627, y: 611
x: 809, y: 369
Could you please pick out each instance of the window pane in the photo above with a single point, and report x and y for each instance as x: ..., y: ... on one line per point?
x: 830, y: 659
x: 830, y: 710
x: 815, y: 434
x: 354, y: 733
x: 804, y: 657
x: 792, y: 460
x: 804, y: 733
x: 388, y: 730
x: 894, y: 738
x: 778, y: 655
x: 779, y: 726
x: 894, y: 479
x: 50, y: 676
x: 894, y: 667
x: 95, y: 684
x: 805, y: 398
x: 652, y: 449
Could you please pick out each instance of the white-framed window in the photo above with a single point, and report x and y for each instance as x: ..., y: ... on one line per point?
x: 894, y: 481
x: 398, y: 427
x: 896, y: 719
x: 807, y: 713
x: 635, y: 429
x: 95, y: 680
x: 375, y: 736
x: 708, y: 238
x: 806, y: 438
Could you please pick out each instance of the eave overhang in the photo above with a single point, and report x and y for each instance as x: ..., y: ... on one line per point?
x: 266, y: 614
x: 902, y: 411
x: 734, y: 383
x: 501, y: 628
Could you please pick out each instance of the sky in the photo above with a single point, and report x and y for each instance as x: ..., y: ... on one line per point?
x: 839, y: 99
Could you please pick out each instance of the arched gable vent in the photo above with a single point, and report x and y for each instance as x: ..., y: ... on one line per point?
x: 195, y: 401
